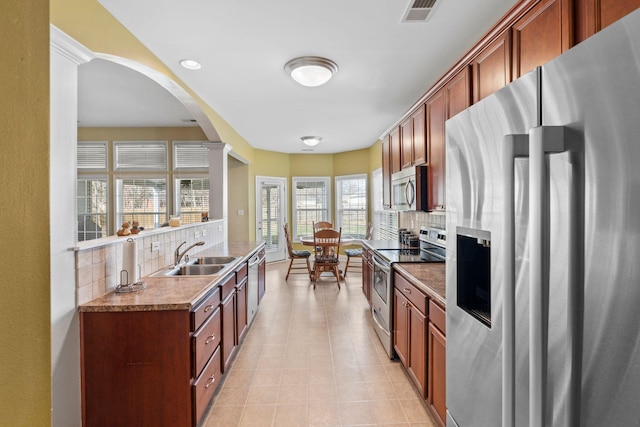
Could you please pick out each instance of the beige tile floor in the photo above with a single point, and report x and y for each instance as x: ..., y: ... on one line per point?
x: 311, y: 358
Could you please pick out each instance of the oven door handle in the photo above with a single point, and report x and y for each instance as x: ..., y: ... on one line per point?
x: 382, y: 267
x: 374, y: 314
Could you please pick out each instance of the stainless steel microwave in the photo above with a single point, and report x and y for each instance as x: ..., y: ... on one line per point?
x: 409, y: 189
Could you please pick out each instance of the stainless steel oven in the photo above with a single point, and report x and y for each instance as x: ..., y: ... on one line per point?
x: 382, y: 301
x: 432, y: 249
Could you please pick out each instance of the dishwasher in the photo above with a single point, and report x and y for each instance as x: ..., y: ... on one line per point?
x: 252, y: 287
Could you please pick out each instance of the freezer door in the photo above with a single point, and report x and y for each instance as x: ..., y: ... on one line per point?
x: 594, y: 92
x: 475, y: 195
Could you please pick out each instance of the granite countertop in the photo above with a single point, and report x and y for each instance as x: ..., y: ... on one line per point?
x: 173, y: 293
x: 428, y: 277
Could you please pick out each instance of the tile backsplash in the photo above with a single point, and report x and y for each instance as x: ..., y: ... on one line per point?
x: 98, y: 263
x: 412, y: 220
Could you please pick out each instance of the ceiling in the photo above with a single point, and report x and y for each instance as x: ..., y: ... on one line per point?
x: 385, y: 65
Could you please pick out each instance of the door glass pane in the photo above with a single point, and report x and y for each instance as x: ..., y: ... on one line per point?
x: 270, y: 215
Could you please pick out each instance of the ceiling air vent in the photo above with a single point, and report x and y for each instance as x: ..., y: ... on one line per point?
x: 418, y: 10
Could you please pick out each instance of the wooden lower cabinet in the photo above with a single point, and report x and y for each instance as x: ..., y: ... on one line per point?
x: 228, y: 308
x: 367, y: 273
x: 419, y: 326
x: 437, y: 367
x: 410, y: 334
x: 241, y: 310
x: 150, y: 368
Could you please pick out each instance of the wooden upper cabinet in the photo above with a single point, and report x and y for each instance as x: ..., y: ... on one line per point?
x: 594, y: 15
x: 396, y: 155
x: 540, y: 35
x: 406, y: 136
x: 459, y: 92
x: 386, y: 172
x: 492, y: 67
x: 419, y: 136
x: 435, y: 135
x: 414, y: 139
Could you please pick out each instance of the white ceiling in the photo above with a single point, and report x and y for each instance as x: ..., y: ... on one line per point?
x: 384, y: 65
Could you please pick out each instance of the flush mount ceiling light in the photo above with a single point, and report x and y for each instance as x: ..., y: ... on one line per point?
x: 311, y: 141
x: 311, y: 70
x: 190, y: 64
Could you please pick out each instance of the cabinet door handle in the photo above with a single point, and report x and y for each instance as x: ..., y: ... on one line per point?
x: 209, y: 339
x: 208, y: 308
x: 210, y: 382
x: 407, y: 290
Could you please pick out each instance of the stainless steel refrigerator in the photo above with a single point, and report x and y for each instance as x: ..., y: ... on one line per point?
x: 543, y: 248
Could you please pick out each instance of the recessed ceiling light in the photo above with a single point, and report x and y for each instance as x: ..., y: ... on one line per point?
x: 190, y: 64
x: 311, y: 70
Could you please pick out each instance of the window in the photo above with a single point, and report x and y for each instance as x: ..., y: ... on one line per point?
x: 385, y: 222
x: 91, y: 190
x: 191, y: 183
x: 193, y: 199
x: 351, y: 205
x: 140, y: 155
x: 146, y: 181
x: 143, y: 200
x: 310, y: 203
x: 91, y: 196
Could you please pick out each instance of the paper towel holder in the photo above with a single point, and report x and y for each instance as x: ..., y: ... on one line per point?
x: 125, y: 286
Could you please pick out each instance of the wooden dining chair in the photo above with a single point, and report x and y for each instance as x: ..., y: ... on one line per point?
x: 357, y: 253
x: 327, y: 246
x: 296, y: 255
x: 321, y: 225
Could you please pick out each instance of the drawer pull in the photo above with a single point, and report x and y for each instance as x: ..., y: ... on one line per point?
x: 209, y: 339
x: 208, y: 308
x: 407, y: 290
x: 211, y: 381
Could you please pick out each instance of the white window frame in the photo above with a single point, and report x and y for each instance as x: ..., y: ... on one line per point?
x: 295, y: 235
x: 339, y: 210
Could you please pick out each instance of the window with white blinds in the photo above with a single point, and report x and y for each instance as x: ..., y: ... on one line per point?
x: 190, y: 156
x: 385, y: 225
x: 385, y: 222
x: 351, y: 205
x: 92, y: 156
x: 140, y: 155
x: 310, y: 202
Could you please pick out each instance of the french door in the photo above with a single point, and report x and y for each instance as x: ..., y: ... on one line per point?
x: 271, y: 214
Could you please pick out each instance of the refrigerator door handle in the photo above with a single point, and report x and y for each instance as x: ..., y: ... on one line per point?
x: 514, y: 146
x: 543, y: 140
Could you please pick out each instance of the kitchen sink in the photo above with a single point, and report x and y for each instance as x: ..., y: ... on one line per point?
x: 203, y: 266
x: 215, y: 260
x: 194, y: 270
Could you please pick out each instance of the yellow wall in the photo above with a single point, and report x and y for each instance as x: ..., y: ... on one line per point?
x: 238, y: 177
x: 25, y: 337
x: 135, y: 133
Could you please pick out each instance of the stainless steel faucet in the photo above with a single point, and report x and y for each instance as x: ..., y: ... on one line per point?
x: 179, y: 255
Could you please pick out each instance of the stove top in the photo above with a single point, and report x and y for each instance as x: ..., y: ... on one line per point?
x: 408, y: 255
